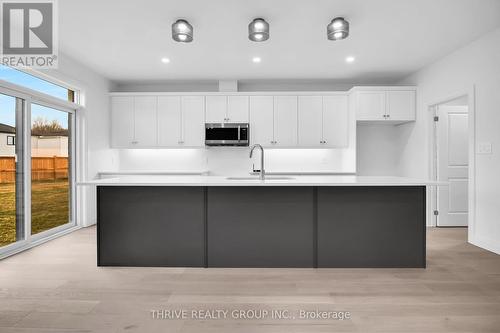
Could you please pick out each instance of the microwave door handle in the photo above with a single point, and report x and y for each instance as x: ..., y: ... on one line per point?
x: 239, y: 133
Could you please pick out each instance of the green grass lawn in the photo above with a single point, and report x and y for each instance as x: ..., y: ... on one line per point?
x: 49, y: 208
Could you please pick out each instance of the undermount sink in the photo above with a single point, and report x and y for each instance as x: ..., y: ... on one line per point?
x: 257, y: 178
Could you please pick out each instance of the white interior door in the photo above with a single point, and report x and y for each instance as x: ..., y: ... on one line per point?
x: 452, y: 161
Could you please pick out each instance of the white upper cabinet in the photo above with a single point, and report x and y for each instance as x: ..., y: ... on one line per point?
x: 285, y: 121
x: 133, y: 121
x: 310, y: 121
x: 401, y: 105
x: 261, y: 120
x: 273, y: 120
x: 169, y: 121
x: 237, y: 109
x: 216, y: 109
x: 336, y: 121
x: 324, y: 121
x: 396, y: 104
x: 181, y: 121
x: 193, y: 121
x: 145, y: 120
x: 370, y: 105
x: 122, y: 124
x: 233, y: 109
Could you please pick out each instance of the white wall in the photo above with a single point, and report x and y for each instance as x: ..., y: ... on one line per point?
x: 243, y: 85
x: 92, y: 129
x: 377, y: 150
x: 475, y: 65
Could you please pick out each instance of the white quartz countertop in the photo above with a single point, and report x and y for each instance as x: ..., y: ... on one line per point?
x: 289, y: 180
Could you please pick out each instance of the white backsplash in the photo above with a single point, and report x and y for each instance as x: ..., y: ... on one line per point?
x: 236, y: 161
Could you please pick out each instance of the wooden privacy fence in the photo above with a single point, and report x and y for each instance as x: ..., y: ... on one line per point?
x: 42, y: 168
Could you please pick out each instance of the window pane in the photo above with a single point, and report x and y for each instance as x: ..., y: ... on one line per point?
x: 32, y: 82
x: 11, y: 200
x: 50, y: 168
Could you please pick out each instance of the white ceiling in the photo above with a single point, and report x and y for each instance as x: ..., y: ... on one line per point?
x: 125, y: 39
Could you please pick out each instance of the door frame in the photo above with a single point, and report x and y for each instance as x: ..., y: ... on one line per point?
x: 471, y: 102
x: 33, y: 97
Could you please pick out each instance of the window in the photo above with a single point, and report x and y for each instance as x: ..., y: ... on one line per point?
x: 11, y: 140
x: 32, y: 82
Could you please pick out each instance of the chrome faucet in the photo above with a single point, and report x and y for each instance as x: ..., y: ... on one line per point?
x: 262, y: 174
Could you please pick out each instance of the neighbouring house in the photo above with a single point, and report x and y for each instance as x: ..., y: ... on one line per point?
x: 43, y: 144
x: 7, y: 140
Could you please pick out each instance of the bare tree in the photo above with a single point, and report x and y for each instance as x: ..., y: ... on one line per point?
x: 42, y: 126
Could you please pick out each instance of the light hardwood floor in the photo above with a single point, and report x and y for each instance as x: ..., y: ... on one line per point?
x: 57, y: 287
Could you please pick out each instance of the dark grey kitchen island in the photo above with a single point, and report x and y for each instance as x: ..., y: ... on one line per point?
x: 310, y: 222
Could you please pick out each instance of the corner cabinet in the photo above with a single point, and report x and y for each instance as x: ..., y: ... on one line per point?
x: 385, y: 104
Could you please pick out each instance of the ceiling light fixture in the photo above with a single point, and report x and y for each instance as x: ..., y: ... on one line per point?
x: 258, y: 30
x: 182, y: 31
x: 256, y: 59
x: 350, y: 59
x: 165, y: 60
x: 337, y: 29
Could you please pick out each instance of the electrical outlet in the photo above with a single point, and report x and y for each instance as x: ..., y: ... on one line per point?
x: 484, y: 148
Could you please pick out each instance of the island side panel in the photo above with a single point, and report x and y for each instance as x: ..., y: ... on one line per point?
x: 372, y: 226
x: 151, y: 226
x: 260, y: 226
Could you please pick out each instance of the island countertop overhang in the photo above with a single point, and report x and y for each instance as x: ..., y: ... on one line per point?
x: 299, y: 180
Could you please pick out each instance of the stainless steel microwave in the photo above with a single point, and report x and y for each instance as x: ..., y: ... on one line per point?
x: 227, y: 134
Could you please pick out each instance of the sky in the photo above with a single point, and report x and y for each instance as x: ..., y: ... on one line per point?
x: 7, y: 103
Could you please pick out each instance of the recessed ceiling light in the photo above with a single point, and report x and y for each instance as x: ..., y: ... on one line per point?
x: 350, y: 59
x: 165, y: 60
x: 256, y: 59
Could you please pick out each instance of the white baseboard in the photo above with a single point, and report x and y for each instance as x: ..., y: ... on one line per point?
x: 487, y: 244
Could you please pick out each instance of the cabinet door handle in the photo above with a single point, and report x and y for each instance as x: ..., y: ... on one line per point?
x: 135, y: 142
x: 181, y: 142
x: 388, y: 115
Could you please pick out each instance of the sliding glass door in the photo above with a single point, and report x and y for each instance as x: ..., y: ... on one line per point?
x: 51, y: 185
x: 36, y: 170
x: 12, y: 226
